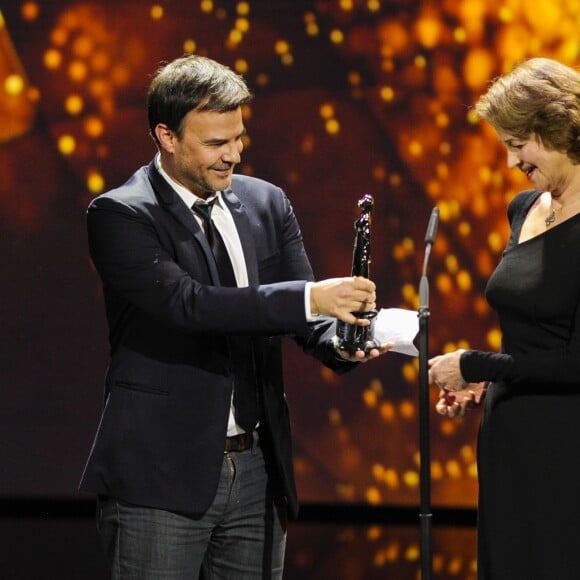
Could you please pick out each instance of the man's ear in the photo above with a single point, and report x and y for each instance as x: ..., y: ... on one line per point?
x: 165, y: 137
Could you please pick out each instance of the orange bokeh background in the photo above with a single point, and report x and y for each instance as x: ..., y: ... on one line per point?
x: 351, y: 97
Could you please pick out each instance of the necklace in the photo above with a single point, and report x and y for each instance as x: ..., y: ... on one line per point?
x: 552, y: 215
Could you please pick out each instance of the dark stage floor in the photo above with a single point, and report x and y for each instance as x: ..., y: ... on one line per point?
x: 47, y: 542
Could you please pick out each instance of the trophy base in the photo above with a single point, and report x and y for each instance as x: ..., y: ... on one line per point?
x: 350, y: 338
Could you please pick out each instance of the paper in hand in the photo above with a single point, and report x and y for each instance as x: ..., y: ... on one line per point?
x: 399, y: 326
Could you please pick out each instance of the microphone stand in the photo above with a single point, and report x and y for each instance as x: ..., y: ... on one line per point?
x: 425, y: 515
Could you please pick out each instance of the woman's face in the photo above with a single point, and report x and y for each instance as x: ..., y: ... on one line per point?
x: 547, y: 169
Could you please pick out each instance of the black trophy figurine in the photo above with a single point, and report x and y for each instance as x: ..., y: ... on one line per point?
x: 350, y: 337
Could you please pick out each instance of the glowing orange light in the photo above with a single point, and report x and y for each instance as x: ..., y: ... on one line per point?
x: 452, y: 263
x: 447, y: 428
x: 30, y: 11
x: 67, y: 144
x: 387, y: 94
x: 409, y: 373
x: 407, y: 409
x: 391, y: 478
x: 334, y: 417
x: 478, y: 68
x: 453, y: 469
x: 262, y: 80
x: 189, y: 46
x: 373, y: 496
x: 415, y: 148
x: 243, y: 24
x: 460, y: 35
x: 243, y: 8
x: 408, y: 291
x: 52, y: 58
x: 494, y: 339
x: 378, y: 471
x: 95, y: 182
x: 14, y: 84
x: 411, y: 478
x: 336, y: 36
x: 235, y: 37
x: 327, y: 111
x: 506, y: 14
x: 312, y: 29
x: 99, y: 88
x: 206, y: 5
x: 332, y: 126
x: 464, y: 229
x: 94, y: 127
x: 408, y: 245
x: 374, y: 533
x: 83, y: 46
x: 444, y: 283
x: 157, y: 12
x: 241, y: 66
x: 100, y: 61
x: 78, y: 71
x: 33, y: 94
x: 428, y: 30
x: 387, y: 412
x: 354, y: 78
x: 59, y: 36
x: 281, y: 47
x: 74, y: 104
x: 370, y: 398
x: 464, y: 281
x: 120, y: 75
x: 495, y: 242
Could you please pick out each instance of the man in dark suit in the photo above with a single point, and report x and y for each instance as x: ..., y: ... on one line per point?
x: 192, y: 461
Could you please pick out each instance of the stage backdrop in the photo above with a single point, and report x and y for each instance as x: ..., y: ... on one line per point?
x: 351, y: 97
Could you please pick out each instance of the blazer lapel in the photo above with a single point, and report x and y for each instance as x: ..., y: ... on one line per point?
x: 244, y: 227
x: 179, y: 210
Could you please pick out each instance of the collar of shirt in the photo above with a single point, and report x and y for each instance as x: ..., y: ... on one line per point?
x: 188, y: 198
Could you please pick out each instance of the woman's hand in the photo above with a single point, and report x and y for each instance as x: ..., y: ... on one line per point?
x: 444, y: 371
x: 456, y: 403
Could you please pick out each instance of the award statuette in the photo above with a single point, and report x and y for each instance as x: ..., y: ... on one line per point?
x: 350, y: 337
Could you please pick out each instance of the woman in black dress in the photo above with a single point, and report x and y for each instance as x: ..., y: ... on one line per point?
x: 529, y: 439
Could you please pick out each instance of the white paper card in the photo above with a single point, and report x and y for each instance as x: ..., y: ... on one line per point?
x: 399, y: 326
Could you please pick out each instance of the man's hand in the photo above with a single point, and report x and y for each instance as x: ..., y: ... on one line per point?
x: 340, y: 297
x: 456, y: 403
x: 360, y: 356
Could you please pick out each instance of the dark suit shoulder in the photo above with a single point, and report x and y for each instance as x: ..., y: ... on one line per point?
x: 135, y: 192
x: 244, y: 183
x: 259, y: 194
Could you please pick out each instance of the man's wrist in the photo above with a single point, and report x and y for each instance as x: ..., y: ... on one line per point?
x: 310, y: 316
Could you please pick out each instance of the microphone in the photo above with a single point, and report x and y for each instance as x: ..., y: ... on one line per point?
x: 432, y: 227
x: 430, y: 236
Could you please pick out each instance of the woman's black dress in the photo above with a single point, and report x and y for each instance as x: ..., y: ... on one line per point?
x: 529, y: 440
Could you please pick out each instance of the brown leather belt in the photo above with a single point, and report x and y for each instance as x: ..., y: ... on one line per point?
x: 239, y: 442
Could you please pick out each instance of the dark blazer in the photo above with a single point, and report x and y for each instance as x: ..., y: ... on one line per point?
x: 161, y: 438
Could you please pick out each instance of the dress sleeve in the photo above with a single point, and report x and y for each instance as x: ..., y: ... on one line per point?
x: 538, y: 366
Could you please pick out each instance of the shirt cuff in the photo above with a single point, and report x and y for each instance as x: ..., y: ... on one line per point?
x: 309, y: 316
